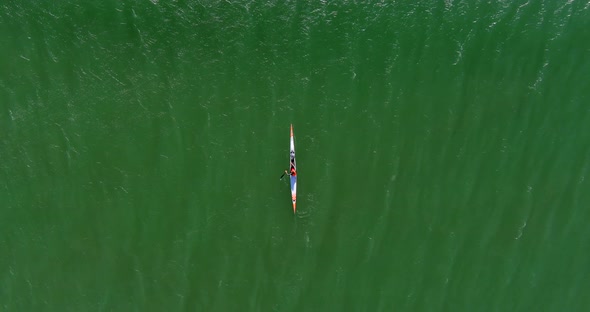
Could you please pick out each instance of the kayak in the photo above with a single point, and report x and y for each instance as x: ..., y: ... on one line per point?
x: 293, y: 177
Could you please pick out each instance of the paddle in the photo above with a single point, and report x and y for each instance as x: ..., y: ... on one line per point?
x: 283, y: 175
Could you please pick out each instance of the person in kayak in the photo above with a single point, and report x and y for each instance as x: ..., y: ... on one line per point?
x: 292, y: 171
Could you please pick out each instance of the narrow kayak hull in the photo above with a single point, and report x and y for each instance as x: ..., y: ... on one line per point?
x: 294, y: 192
x: 293, y: 178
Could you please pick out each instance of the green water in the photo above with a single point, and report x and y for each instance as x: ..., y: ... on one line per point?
x: 442, y: 152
